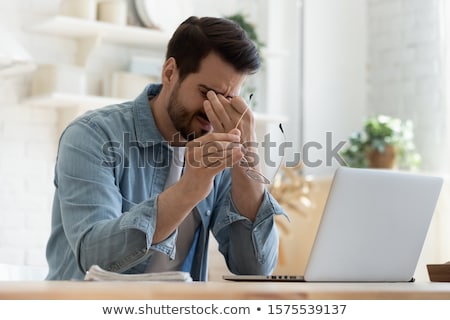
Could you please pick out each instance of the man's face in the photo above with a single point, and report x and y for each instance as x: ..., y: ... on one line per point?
x: 186, y: 99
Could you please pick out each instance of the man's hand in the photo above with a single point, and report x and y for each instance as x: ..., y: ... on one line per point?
x: 224, y: 115
x: 209, y: 155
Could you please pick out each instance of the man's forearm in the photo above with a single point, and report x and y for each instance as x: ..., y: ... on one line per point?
x: 246, y: 193
x: 174, y: 204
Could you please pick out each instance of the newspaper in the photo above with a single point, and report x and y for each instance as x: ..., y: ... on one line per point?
x: 95, y: 273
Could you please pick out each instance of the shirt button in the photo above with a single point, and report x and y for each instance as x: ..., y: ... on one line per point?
x: 208, y: 212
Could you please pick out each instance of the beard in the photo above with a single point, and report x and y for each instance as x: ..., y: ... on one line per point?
x: 182, y: 119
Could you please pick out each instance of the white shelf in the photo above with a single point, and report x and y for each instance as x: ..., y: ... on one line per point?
x: 91, y: 33
x: 79, y: 28
x: 16, y: 69
x: 65, y: 101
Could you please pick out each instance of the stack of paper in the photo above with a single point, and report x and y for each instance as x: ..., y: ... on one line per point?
x: 95, y: 273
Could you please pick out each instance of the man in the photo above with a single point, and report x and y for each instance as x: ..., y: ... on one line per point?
x: 140, y: 185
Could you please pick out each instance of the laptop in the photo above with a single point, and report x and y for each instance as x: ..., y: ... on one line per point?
x: 373, y: 228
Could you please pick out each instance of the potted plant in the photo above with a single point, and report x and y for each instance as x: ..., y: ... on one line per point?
x: 384, y: 142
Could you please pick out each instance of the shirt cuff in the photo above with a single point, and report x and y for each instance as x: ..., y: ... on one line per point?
x: 143, y: 217
x: 269, y: 206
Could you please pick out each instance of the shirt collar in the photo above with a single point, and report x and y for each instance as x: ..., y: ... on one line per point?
x: 147, y: 132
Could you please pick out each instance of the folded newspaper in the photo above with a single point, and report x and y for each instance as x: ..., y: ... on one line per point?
x: 95, y: 273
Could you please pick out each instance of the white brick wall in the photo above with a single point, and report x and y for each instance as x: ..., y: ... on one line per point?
x: 27, y: 140
x: 406, y: 78
x: 28, y: 147
x: 406, y: 70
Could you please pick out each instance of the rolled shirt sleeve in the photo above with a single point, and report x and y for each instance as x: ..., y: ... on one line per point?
x: 248, y: 247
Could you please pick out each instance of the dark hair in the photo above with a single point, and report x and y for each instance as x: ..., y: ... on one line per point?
x: 195, y: 38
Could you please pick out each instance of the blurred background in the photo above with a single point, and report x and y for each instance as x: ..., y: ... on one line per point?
x: 328, y: 67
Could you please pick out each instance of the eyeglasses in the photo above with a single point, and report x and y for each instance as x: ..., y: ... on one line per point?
x: 251, y: 172
x: 257, y: 176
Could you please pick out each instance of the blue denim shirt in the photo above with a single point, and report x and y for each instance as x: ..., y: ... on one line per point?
x: 112, y: 164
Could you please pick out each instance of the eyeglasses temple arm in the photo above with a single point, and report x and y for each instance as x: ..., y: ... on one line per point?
x: 248, y: 107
